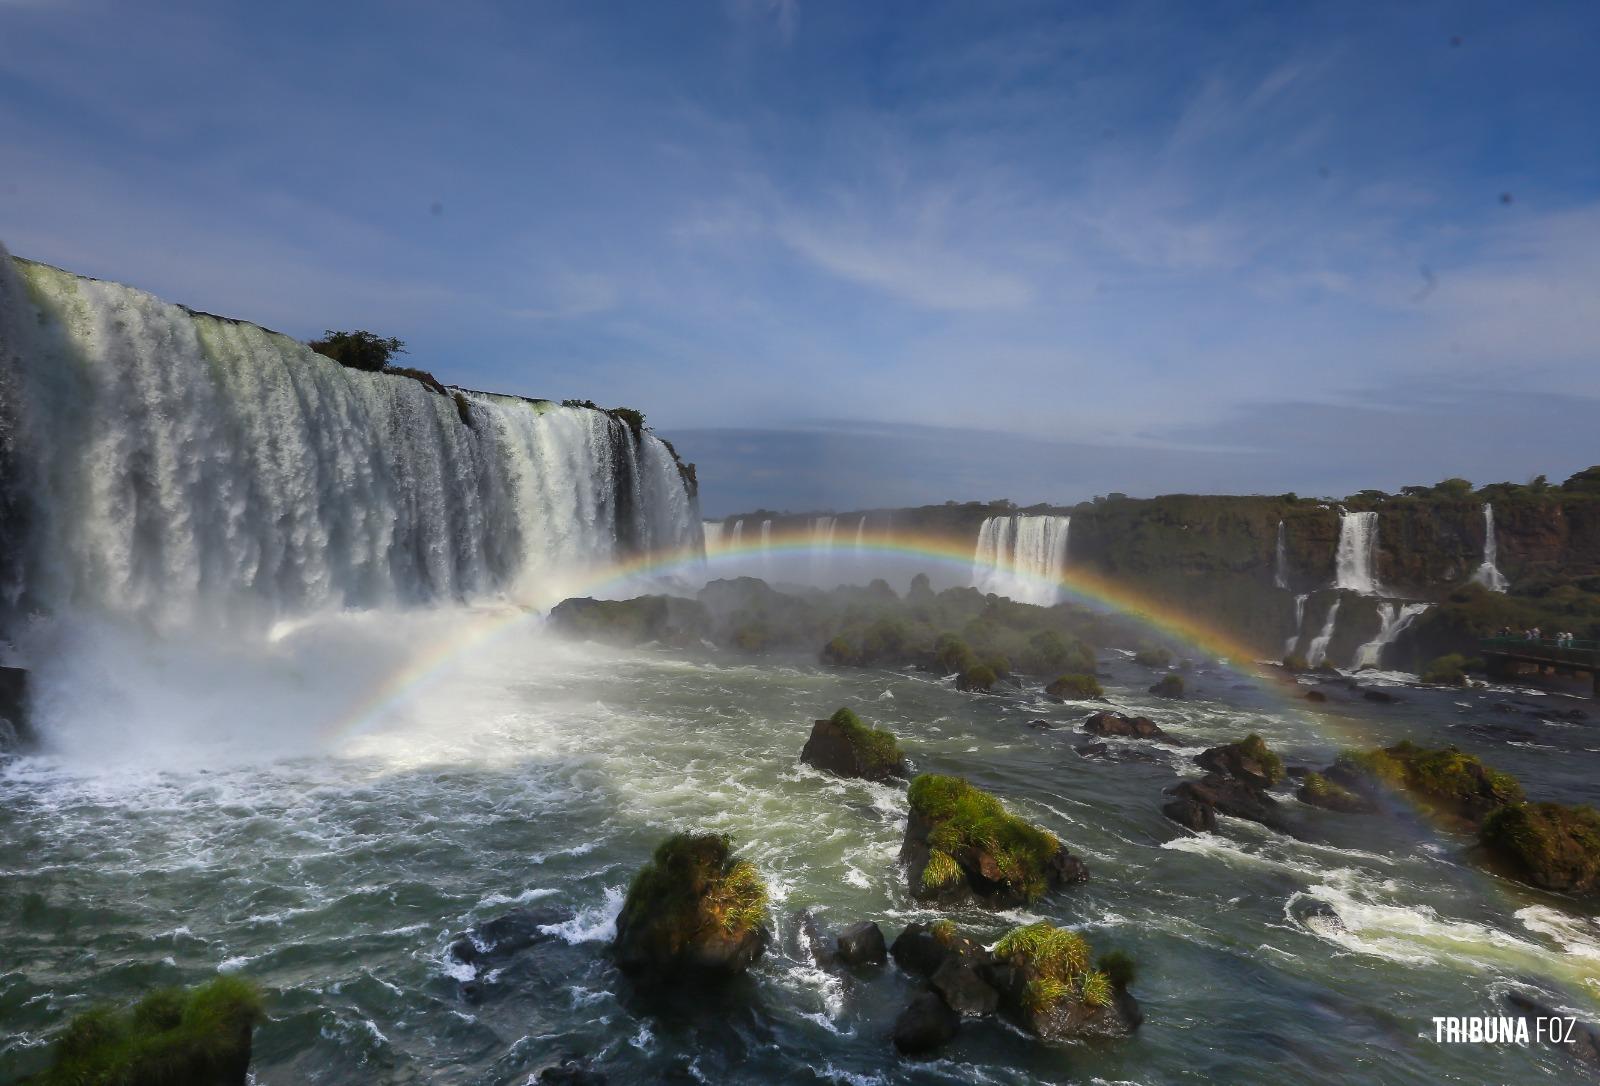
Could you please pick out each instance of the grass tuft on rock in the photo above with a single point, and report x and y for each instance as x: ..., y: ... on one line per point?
x: 1056, y: 962
x: 941, y: 873
x: 693, y: 879
x: 1255, y: 748
x: 170, y: 1036
x: 967, y: 820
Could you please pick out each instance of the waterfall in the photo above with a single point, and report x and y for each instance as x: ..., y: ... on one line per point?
x: 861, y: 532
x: 766, y: 535
x: 1023, y: 557
x: 1394, y: 617
x: 1299, y: 621
x: 713, y: 530
x: 1487, y: 573
x: 1356, y: 560
x: 1280, y: 572
x: 1318, y: 649
x: 738, y: 532
x: 193, y: 470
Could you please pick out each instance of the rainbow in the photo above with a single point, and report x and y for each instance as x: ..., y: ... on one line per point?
x: 931, y: 550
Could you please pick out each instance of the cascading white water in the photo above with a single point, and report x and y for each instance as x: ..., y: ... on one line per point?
x: 1394, y: 618
x: 766, y: 535
x: 1488, y: 574
x: 1299, y: 621
x: 192, y: 470
x: 738, y: 532
x: 861, y: 533
x: 1022, y: 557
x: 713, y: 530
x: 1356, y: 559
x: 1317, y: 651
x: 1280, y: 571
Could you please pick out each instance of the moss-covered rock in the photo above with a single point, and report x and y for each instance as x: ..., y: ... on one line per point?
x: 196, y: 1038
x: 693, y: 910
x: 1318, y: 791
x: 1075, y: 688
x: 1445, y: 780
x: 1153, y: 657
x: 1250, y: 759
x: 1048, y: 985
x: 960, y: 841
x: 1168, y: 686
x: 1447, y: 670
x: 1120, y: 726
x: 977, y: 679
x: 1554, y: 846
x: 844, y: 746
x: 668, y: 619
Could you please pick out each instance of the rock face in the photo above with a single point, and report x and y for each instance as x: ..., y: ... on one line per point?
x: 1116, y: 725
x: 845, y: 747
x: 1075, y: 688
x: 15, y: 732
x: 692, y: 911
x: 961, y: 842
x: 1551, y: 845
x: 1250, y: 760
x: 861, y: 944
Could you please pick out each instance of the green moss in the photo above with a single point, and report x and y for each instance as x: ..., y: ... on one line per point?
x: 980, y: 677
x: 944, y: 931
x: 1255, y: 748
x: 1075, y: 688
x: 1555, y: 846
x: 966, y: 821
x: 691, y: 881
x: 1044, y: 993
x: 1377, y: 766
x: 168, y: 1037
x: 876, y: 749
x: 1447, y: 778
x: 839, y: 653
x: 633, y: 420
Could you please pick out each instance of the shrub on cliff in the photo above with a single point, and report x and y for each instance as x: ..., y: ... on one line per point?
x: 1075, y: 688
x: 1551, y: 845
x: 961, y: 838
x: 839, y: 653
x: 693, y: 909
x: 201, y: 1036
x: 359, y: 350
x: 843, y: 745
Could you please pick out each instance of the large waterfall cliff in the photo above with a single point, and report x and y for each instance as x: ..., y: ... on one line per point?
x: 185, y: 468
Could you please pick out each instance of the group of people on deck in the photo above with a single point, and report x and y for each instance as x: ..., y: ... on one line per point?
x: 1534, y: 633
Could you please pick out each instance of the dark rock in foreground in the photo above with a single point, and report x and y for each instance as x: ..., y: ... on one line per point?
x: 572, y: 1072
x: 692, y: 911
x: 1554, y: 846
x: 861, y: 944
x: 1048, y: 986
x: 961, y: 842
x: 927, y: 1024
x: 844, y: 746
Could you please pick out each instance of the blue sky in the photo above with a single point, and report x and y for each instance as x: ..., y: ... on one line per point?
x: 857, y: 254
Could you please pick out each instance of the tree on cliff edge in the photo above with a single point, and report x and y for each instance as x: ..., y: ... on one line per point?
x: 359, y: 350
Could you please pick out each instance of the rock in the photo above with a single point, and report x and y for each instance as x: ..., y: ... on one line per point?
x: 1250, y: 760
x: 693, y: 910
x: 814, y: 941
x: 1316, y: 695
x: 1554, y: 846
x: 1168, y: 686
x: 925, y: 1025
x: 1047, y: 985
x: 1040, y: 725
x: 1319, y: 791
x: 1446, y: 780
x: 986, y: 852
x: 957, y: 980
x: 1116, y: 725
x: 844, y: 746
x: 572, y: 1072
x: 15, y: 731
x: 1191, y: 813
x: 1233, y: 797
x: 862, y: 944
x: 1382, y: 697
x: 920, y: 948
x: 1075, y: 688
x: 668, y: 619
x: 1584, y: 1043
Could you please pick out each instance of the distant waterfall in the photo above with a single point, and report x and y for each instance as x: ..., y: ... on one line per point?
x: 1395, y: 617
x: 766, y: 535
x: 861, y: 534
x: 1318, y: 650
x: 738, y: 532
x: 188, y: 469
x: 822, y: 529
x: 1299, y: 621
x: 713, y: 530
x: 1022, y: 557
x: 1487, y: 573
x: 1280, y: 572
x: 1356, y: 560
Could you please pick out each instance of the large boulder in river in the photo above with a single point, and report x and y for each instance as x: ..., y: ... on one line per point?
x: 1230, y: 796
x: 861, y: 944
x: 1445, y: 780
x: 961, y: 842
x: 1116, y: 725
x: 925, y: 1025
x: 1049, y: 986
x: 844, y: 746
x: 1250, y: 760
x: 692, y: 911
x: 1554, y: 846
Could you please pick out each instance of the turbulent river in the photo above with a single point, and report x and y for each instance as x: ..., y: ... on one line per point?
x: 262, y: 817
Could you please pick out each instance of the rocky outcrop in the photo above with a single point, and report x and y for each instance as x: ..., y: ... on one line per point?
x: 667, y: 619
x: 844, y: 746
x: 1116, y: 725
x: 962, y: 843
x: 925, y: 1026
x: 1551, y: 845
x: 1446, y: 781
x: 1075, y: 688
x: 1249, y: 759
x: 1318, y: 791
x: 861, y: 944
x: 1226, y: 795
x: 1168, y: 686
x: 692, y: 911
